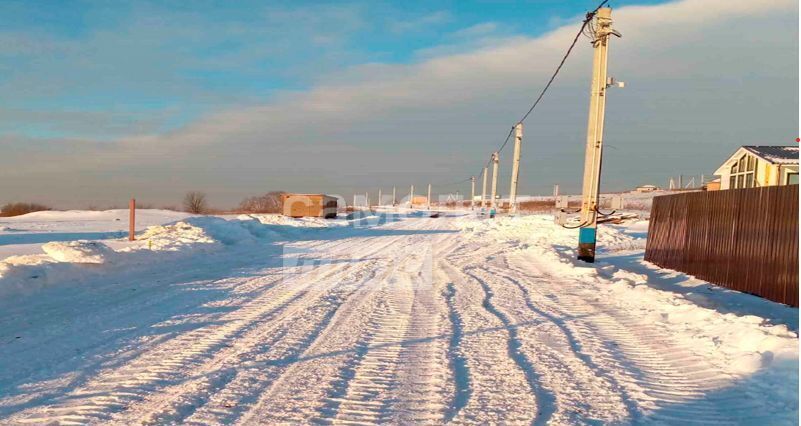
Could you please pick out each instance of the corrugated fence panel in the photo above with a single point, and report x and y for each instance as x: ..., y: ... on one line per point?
x: 743, y: 239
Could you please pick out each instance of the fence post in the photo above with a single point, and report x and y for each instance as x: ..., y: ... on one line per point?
x: 132, y: 220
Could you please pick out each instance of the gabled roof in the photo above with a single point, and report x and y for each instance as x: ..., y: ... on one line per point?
x: 775, y: 154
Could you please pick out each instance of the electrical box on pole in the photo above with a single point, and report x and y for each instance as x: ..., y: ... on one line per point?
x: 495, y: 161
x: 595, y: 128
x: 515, y: 168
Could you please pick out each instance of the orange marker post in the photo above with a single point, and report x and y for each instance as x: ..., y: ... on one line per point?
x: 132, y: 220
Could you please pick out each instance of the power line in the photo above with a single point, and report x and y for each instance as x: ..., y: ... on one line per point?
x: 583, y: 30
x: 452, y: 183
x: 587, y: 20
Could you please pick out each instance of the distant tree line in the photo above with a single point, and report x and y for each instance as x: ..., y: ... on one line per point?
x: 17, y: 209
x: 194, y: 202
x: 267, y: 203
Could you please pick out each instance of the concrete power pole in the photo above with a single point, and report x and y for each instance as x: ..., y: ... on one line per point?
x: 495, y: 161
x: 595, y: 130
x: 515, y: 168
x: 394, y: 199
x: 484, y: 189
x: 411, y: 196
x: 367, y: 200
x: 472, y: 192
x: 428, y: 199
x: 379, y: 197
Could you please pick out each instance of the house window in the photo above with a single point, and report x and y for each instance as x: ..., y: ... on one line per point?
x: 792, y: 179
x: 743, y: 172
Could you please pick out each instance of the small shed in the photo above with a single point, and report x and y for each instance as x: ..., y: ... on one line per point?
x: 712, y: 185
x: 419, y: 200
x: 309, y: 205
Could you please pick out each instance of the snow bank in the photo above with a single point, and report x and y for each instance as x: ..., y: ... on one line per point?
x: 174, y: 237
x: 78, y: 251
x: 69, y: 260
x: 540, y: 230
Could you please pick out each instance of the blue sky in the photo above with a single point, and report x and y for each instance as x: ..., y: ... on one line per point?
x: 103, y: 100
x: 158, y: 65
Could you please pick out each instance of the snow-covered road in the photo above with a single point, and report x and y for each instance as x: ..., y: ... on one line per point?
x: 419, y: 320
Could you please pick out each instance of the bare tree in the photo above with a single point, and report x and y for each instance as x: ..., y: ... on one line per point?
x: 195, y: 202
x: 267, y: 203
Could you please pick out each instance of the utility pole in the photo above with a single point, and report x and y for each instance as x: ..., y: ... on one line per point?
x: 411, y: 197
x: 379, y: 197
x: 428, y: 201
x: 495, y: 161
x: 484, y: 189
x: 394, y: 199
x: 367, y: 200
x: 472, y: 192
x: 595, y: 131
x: 556, y: 190
x: 515, y: 168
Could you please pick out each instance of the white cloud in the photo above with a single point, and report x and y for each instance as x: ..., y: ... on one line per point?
x: 420, y: 23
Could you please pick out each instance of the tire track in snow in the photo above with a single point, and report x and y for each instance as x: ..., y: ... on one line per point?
x: 458, y: 363
x: 658, y: 374
x: 583, y: 389
x: 424, y: 384
x: 546, y: 401
x: 122, y: 386
x: 226, y: 402
x: 499, y: 389
x: 290, y: 339
x: 362, y: 367
x: 385, y: 381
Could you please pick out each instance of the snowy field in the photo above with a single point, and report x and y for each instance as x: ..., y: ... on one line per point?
x: 386, y: 319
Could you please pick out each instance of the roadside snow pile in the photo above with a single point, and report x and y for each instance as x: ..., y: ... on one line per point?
x: 206, y: 230
x: 81, y: 251
x: 547, y: 233
x: 174, y: 237
x: 68, y: 260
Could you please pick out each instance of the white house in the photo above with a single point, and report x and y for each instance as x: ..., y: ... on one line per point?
x: 754, y: 166
x: 646, y: 188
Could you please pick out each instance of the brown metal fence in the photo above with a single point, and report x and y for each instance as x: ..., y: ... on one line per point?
x: 743, y: 239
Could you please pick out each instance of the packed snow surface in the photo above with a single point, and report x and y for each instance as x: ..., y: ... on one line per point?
x: 261, y: 319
